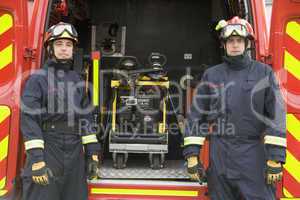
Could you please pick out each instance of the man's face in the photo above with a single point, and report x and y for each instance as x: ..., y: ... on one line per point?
x: 63, y: 49
x: 235, y: 45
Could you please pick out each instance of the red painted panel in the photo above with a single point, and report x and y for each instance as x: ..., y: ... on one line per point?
x: 202, y: 191
x: 291, y: 184
x: 10, y: 95
x: 293, y: 146
x: 292, y: 46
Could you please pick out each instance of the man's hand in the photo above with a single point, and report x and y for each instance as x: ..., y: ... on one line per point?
x: 193, y: 168
x: 40, y: 173
x: 93, y: 167
x: 274, y: 171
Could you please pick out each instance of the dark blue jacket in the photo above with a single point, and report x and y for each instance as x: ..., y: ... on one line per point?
x: 55, y: 94
x: 241, y: 101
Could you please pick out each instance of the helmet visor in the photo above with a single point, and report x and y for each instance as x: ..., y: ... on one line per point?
x: 234, y: 29
x: 60, y: 28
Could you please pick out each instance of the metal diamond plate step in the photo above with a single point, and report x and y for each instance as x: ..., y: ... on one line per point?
x: 174, y: 169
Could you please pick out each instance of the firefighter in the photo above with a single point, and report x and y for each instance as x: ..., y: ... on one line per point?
x: 239, y: 108
x: 56, y: 127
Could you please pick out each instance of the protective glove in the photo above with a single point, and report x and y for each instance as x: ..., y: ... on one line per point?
x: 274, y: 171
x: 195, y: 168
x: 93, y: 167
x: 181, y: 123
x: 40, y: 173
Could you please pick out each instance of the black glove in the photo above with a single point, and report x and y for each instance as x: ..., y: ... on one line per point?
x: 41, y: 175
x: 93, y: 169
x: 195, y: 169
x: 274, y: 172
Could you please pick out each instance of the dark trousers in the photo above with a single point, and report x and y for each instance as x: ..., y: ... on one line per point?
x: 222, y: 188
x: 68, y: 166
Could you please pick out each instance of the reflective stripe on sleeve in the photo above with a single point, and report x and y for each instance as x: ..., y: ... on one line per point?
x: 194, y: 140
x: 275, y: 140
x: 89, y: 139
x: 32, y: 144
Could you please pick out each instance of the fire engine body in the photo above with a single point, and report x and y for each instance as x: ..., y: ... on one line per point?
x: 176, y: 30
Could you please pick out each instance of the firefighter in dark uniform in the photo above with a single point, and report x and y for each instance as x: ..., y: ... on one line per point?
x: 239, y: 108
x: 56, y: 125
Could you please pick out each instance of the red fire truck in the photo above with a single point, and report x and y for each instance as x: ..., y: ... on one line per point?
x: 183, y: 32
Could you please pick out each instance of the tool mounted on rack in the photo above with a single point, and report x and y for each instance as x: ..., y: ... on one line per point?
x: 138, y: 122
